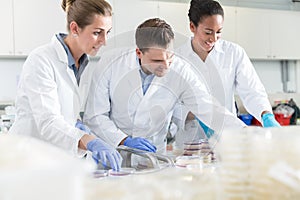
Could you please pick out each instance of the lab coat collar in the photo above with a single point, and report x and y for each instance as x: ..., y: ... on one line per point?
x: 61, y: 53
x: 62, y: 56
x: 189, y: 47
x: 187, y: 53
x: 60, y: 37
x: 218, y: 46
x: 143, y: 74
x: 83, y: 61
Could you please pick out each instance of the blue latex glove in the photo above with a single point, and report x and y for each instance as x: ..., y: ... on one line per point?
x: 208, y: 132
x: 269, y: 120
x: 82, y: 127
x: 102, y: 152
x: 139, y: 143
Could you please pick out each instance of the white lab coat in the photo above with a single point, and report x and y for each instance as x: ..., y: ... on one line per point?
x: 48, y: 100
x: 116, y: 106
x: 227, y: 69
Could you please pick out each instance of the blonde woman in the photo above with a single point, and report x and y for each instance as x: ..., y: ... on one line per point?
x: 48, y: 100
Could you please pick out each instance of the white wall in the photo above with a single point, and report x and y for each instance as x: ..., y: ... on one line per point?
x: 268, y: 71
x: 270, y: 75
x: 10, y: 70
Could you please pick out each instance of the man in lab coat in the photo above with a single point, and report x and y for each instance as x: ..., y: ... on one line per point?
x: 224, y: 65
x: 134, y: 91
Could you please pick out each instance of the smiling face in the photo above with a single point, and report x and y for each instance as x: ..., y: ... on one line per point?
x: 155, y: 61
x: 207, y: 33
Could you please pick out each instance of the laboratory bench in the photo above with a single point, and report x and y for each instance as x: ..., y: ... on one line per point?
x: 252, y: 163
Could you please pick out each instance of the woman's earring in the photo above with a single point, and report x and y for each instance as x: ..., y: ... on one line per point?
x: 74, y: 35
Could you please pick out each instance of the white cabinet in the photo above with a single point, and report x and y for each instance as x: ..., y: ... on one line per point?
x: 284, y: 34
x: 263, y: 33
x: 268, y: 34
x: 253, y: 32
x: 35, y: 23
x: 6, y: 21
x: 229, y: 26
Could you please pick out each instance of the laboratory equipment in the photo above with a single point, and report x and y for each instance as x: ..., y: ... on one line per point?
x: 100, y: 173
x: 125, y: 171
x: 144, y: 161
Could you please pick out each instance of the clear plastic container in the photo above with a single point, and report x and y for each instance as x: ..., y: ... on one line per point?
x: 199, y: 148
x: 201, y: 144
x: 100, y: 173
x: 183, y: 161
x: 122, y: 172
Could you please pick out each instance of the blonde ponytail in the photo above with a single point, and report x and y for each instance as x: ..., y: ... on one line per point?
x: 65, y: 4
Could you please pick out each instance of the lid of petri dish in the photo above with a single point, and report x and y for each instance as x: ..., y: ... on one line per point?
x: 183, y: 161
x: 100, y: 173
x: 202, y: 144
x: 196, y: 142
x: 121, y: 172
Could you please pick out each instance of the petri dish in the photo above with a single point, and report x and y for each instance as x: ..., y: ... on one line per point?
x: 183, y: 161
x: 121, y: 172
x: 197, y: 167
x: 100, y: 173
x: 197, y: 145
x: 199, y: 152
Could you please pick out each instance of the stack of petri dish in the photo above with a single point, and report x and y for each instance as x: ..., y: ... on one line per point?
x: 233, y: 150
x: 260, y: 163
x: 184, y: 161
x: 196, y: 155
x: 100, y: 173
x: 199, y: 148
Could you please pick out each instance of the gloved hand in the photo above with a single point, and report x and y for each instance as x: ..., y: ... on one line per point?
x: 208, y: 132
x: 102, y: 152
x: 82, y: 127
x: 139, y: 143
x: 269, y: 120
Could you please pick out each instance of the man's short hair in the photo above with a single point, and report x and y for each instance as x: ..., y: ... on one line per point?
x: 153, y: 33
